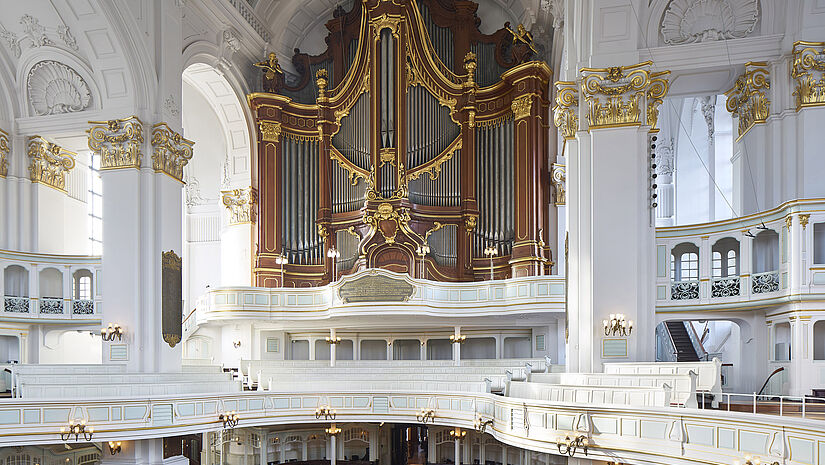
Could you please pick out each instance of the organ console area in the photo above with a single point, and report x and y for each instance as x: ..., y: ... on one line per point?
x: 413, y: 143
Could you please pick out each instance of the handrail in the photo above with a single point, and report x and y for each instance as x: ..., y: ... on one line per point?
x: 696, y: 341
x: 769, y: 379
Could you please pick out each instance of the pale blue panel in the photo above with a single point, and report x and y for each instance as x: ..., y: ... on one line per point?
x: 58, y: 415
x: 466, y: 405
x: 453, y: 296
x: 162, y: 415
x: 220, y: 299
x: 381, y: 405
x: 116, y: 412
x: 304, y: 299
x: 290, y: 299
x: 819, y: 278
x: 360, y: 402
x: 256, y: 404
x: 310, y: 402
x: 98, y: 413
x: 443, y: 404
x: 605, y: 425
x: 802, y: 450
x: 699, y: 435
x: 260, y: 299
x: 31, y: 415
x: 499, y: 293
x: 542, y: 290
x: 242, y: 405
x: 186, y: 410
x: 557, y: 289
x: 565, y: 422
x: 454, y: 405
x: 661, y: 292
x: 753, y: 442
x: 210, y: 408
x: 336, y: 402
x: 399, y: 402
x: 281, y: 403
x: 348, y: 402
x: 661, y: 261
x: 230, y: 405
x: 295, y: 402
x: 511, y: 292
x: 727, y: 438
x: 821, y: 453
x: 523, y: 291
x: 248, y: 299
x: 653, y: 429
x: 550, y: 421
x: 468, y: 296
x: 12, y: 417
x: 134, y: 412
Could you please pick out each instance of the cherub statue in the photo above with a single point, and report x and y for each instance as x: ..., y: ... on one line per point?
x: 273, y: 77
x: 522, y: 43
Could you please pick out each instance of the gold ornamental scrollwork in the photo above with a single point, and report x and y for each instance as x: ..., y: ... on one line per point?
x: 241, y: 205
x: 117, y: 142
x: 559, y: 178
x: 748, y: 98
x: 386, y: 21
x: 808, y: 74
x: 566, y: 110
x: 270, y: 131
x: 803, y: 219
x: 386, y: 212
x: 436, y: 226
x: 5, y: 149
x: 354, y: 171
x: 433, y: 167
x: 470, y: 221
x: 49, y: 163
x: 522, y: 106
x: 622, y: 95
x: 171, y: 151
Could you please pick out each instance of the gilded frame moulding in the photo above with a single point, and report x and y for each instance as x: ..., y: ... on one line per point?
x: 5, y: 150
x: 49, y: 163
x: 117, y: 142
x: 241, y: 205
x: 354, y: 171
x: 386, y: 212
x: 566, y: 110
x: 620, y: 95
x: 171, y: 151
x: 808, y: 73
x: 748, y: 99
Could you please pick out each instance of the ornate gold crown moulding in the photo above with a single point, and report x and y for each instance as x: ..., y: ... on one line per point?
x: 119, y: 143
x: 748, y: 98
x: 49, y: 162
x: 808, y: 74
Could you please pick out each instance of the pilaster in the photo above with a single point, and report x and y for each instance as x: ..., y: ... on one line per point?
x: 236, y: 238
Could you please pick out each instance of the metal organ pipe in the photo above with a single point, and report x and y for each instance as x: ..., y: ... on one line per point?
x: 494, y: 187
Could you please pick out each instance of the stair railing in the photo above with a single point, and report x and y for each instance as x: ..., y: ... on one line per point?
x: 701, y: 353
x: 666, y: 348
x: 768, y: 380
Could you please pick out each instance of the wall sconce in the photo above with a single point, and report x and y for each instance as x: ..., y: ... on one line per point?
x: 753, y: 461
x: 569, y: 446
x: 617, y: 325
x: 491, y: 251
x: 458, y: 433
x: 425, y: 414
x: 115, y: 447
x: 325, y: 411
x: 111, y: 332
x: 332, y: 431
x: 77, y: 430
x: 282, y: 260
x: 456, y: 339
x: 236, y: 343
x: 333, y: 340
x: 229, y: 419
x: 481, y: 424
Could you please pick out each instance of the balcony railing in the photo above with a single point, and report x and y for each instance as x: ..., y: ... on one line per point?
x: 725, y: 287
x: 13, y: 304
x: 684, y: 290
x: 51, y: 305
x: 765, y: 282
x: 83, y: 307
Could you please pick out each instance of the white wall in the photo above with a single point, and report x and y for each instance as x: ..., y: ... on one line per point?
x: 67, y: 347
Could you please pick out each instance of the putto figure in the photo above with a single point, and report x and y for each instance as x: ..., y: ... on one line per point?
x: 273, y: 77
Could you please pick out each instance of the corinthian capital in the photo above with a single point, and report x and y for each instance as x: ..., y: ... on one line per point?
x: 566, y: 110
x: 5, y: 149
x: 623, y: 95
x: 808, y: 74
x: 171, y: 152
x: 241, y: 205
x: 49, y: 163
x: 748, y: 99
x: 117, y: 142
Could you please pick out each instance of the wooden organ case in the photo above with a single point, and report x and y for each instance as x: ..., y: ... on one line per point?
x: 413, y: 128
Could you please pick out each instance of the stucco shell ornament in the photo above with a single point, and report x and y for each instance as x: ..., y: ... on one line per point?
x: 690, y: 21
x: 55, y: 88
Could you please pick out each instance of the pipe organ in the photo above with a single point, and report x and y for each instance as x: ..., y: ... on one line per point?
x: 413, y: 128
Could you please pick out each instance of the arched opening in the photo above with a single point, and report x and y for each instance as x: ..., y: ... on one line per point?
x: 406, y: 349
x: 765, y: 277
x: 316, y: 448
x: 16, y: 289
x: 479, y: 348
x: 9, y: 349
x: 684, y: 271
x: 322, y: 350
x: 215, y: 118
x: 725, y: 268
x: 51, y: 291
x: 299, y: 350
x: 819, y: 340
x: 82, y: 285
x: 356, y: 444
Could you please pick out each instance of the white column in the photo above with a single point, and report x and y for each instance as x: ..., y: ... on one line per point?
x: 457, y: 449
x: 423, y: 343
x: 332, y: 448
x: 331, y: 348
x: 34, y: 288
x: 206, y: 457
x: 67, y: 289
x: 431, y: 449
x: 457, y: 347
x: 374, y: 432
x: 264, y: 447
x: 143, y: 452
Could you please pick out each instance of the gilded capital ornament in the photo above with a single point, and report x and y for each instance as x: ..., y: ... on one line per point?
x: 117, y: 142
x: 241, y: 205
x: 803, y: 219
x: 748, y: 99
x: 171, y: 152
x: 623, y: 95
x: 559, y: 177
x: 49, y: 163
x: 808, y: 74
x: 270, y: 131
x: 566, y: 110
x: 522, y: 106
x: 5, y: 149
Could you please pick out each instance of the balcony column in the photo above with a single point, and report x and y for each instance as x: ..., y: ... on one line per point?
x: 423, y: 355
x: 611, y: 218
x: 794, y: 252
x: 332, y: 347
x: 373, y: 444
x: 236, y: 236
x: 262, y: 451
x: 457, y: 347
x: 457, y: 451
x: 745, y: 264
x: 206, y: 457
x: 143, y: 452
x: 431, y: 447
x: 705, y: 269
x: 67, y: 290
x: 34, y: 289
x: 333, y: 449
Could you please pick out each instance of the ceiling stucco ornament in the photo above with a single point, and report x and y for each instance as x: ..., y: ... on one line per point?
x: 55, y: 88
x: 36, y: 35
x: 690, y: 21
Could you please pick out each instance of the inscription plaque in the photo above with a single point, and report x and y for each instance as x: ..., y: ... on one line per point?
x: 375, y: 288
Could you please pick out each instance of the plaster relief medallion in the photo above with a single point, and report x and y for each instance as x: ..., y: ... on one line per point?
x: 55, y: 88
x: 690, y: 21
